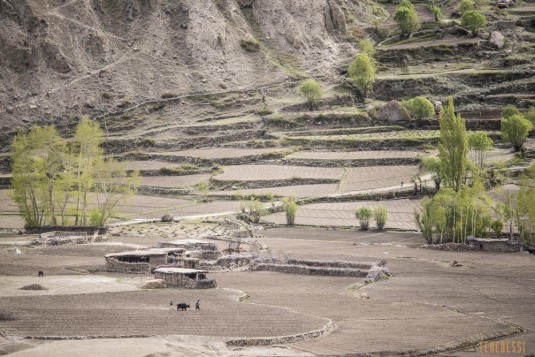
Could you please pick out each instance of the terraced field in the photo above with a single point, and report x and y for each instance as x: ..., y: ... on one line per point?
x: 377, y: 177
x: 355, y: 155
x: 174, y: 181
x: 276, y: 172
x: 342, y: 214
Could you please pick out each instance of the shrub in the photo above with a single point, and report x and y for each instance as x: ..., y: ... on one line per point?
x: 250, y: 44
x: 419, y: 108
x: 496, y: 227
x: 406, y: 18
x: 509, y: 110
x: 290, y: 208
x: 466, y: 5
x: 181, y: 169
x: 474, y: 20
x: 380, y: 215
x: 515, y: 130
x: 363, y: 214
x: 311, y: 91
x: 265, y: 110
x: 255, y: 209
x: 167, y: 218
x: 530, y: 115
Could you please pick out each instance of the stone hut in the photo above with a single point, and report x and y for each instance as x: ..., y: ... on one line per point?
x: 142, y: 261
x: 494, y: 244
x: 185, y: 278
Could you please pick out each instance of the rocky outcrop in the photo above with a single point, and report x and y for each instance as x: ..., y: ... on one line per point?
x: 335, y: 20
x: 392, y: 111
x: 496, y: 39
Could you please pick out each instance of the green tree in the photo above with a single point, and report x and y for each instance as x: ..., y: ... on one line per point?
x: 311, y: 91
x: 480, y: 144
x: 362, y: 73
x: 365, y: 46
x: 37, y: 166
x: 380, y: 215
x: 86, y: 149
x: 363, y: 214
x: 437, y: 12
x: 515, y: 130
x: 290, y: 209
x: 509, y: 110
x: 419, y: 108
x: 474, y: 21
x: 112, y: 185
x: 525, y: 215
x: 453, y: 146
x: 406, y: 18
x: 466, y: 5
x: 530, y: 115
x: 433, y: 166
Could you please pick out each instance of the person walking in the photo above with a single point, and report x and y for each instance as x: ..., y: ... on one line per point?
x: 198, y: 305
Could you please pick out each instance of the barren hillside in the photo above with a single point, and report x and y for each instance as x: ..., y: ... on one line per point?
x: 61, y: 59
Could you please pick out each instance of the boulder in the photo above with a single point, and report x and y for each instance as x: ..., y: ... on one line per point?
x: 154, y: 284
x: 392, y: 111
x: 496, y: 39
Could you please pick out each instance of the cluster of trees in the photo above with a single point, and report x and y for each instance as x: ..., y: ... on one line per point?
x: 462, y: 207
x: 364, y: 214
x: 60, y: 182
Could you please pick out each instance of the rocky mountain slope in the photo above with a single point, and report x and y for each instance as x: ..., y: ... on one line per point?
x: 61, y: 59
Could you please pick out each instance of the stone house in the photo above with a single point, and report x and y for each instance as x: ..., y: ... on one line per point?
x: 185, y: 278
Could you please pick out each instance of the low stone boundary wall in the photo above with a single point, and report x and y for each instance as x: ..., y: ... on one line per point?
x: 329, y: 264
x: 185, y: 282
x: 271, y: 183
x: 244, y: 342
x: 352, y: 163
x: 308, y: 270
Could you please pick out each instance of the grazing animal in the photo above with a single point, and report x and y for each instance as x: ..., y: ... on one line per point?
x: 182, y: 306
x: 40, y: 273
x: 198, y: 305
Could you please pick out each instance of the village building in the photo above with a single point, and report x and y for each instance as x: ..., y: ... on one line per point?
x: 185, y: 278
x: 144, y: 260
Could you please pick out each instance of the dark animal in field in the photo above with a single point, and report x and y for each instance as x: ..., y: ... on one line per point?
x: 40, y: 273
x: 182, y: 306
x: 531, y: 250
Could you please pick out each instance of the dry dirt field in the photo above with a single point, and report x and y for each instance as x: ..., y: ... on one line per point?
x: 174, y: 181
x: 276, y: 172
x: 354, y: 155
x: 491, y: 294
x: 376, y: 177
x: 342, y: 214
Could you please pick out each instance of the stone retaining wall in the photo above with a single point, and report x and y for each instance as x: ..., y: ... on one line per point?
x: 115, y: 265
x: 308, y: 270
x: 185, y: 282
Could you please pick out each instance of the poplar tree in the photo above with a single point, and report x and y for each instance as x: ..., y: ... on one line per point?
x: 453, y: 146
x: 362, y: 73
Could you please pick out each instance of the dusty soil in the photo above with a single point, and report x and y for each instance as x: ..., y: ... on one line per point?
x: 439, y: 304
x: 400, y: 214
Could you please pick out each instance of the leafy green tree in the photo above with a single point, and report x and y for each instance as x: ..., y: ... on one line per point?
x: 86, y: 148
x: 363, y: 214
x: 474, y: 21
x: 406, y: 18
x: 437, y: 12
x: 453, y: 146
x: 290, y: 209
x: 37, y: 166
x: 530, y: 115
x: 112, y: 185
x: 365, y: 46
x: 311, y: 91
x: 433, y: 166
x: 509, y: 110
x: 525, y: 215
x: 419, y: 108
x: 466, y: 5
x: 380, y: 215
x: 362, y: 73
x: 515, y: 130
x: 480, y: 144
